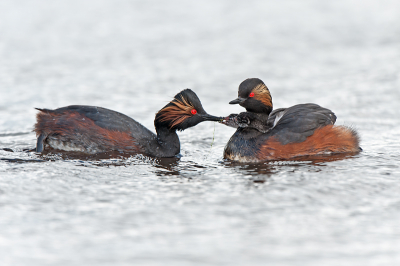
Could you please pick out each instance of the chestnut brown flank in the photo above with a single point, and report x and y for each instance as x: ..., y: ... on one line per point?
x: 177, y: 112
x: 72, y: 126
x: 328, y: 139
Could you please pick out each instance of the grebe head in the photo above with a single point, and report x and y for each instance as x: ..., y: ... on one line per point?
x: 254, y: 95
x: 184, y: 111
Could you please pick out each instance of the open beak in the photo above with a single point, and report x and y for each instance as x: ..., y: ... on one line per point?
x: 207, y: 117
x: 230, y: 121
x: 237, y: 100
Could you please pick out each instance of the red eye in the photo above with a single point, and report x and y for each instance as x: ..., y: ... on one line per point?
x: 251, y: 94
x: 193, y: 111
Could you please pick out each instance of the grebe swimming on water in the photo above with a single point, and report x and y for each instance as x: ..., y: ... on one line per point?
x: 300, y: 130
x: 92, y: 130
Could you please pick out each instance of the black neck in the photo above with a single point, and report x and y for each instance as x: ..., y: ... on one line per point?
x: 264, y: 109
x: 167, y: 143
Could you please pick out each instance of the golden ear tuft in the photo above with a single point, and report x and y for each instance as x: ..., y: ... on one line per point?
x: 262, y: 94
x: 176, y: 112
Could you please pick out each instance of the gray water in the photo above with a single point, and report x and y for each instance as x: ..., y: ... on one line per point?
x: 133, y: 57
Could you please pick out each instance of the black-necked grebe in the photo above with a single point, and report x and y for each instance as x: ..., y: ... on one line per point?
x: 93, y: 130
x: 300, y: 130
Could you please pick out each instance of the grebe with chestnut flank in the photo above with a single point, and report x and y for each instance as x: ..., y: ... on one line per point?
x: 92, y: 130
x: 285, y: 133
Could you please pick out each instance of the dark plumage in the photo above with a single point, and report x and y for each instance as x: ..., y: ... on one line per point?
x: 296, y: 123
x: 303, y: 129
x: 254, y: 95
x: 91, y: 129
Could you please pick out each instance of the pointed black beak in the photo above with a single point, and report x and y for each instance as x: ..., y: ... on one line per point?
x: 207, y: 117
x: 237, y: 100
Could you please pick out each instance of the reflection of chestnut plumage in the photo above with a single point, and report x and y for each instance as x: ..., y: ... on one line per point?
x: 92, y: 130
x: 303, y: 129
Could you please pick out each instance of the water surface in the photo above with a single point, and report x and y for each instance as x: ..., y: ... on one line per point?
x: 133, y: 57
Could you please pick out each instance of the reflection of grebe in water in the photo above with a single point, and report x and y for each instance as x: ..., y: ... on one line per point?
x: 300, y: 130
x: 92, y: 130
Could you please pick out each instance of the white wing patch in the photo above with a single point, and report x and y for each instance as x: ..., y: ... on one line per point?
x: 278, y: 117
